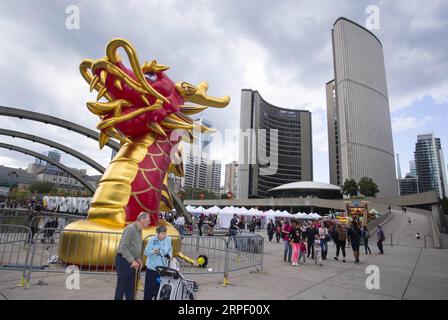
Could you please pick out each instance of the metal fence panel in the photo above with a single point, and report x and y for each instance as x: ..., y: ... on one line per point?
x: 213, y: 248
x: 44, y: 251
x: 97, y: 255
x: 14, y: 247
x: 245, y: 251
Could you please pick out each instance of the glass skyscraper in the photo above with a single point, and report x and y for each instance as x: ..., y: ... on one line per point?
x: 430, y: 165
x: 266, y: 161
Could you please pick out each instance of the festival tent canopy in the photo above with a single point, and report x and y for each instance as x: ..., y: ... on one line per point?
x: 255, y: 212
x: 213, y: 210
x: 225, y: 215
x: 287, y: 214
x: 243, y: 210
x: 228, y: 210
x: 197, y: 210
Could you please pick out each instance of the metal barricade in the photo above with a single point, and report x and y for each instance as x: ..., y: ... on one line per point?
x: 47, y: 253
x: 62, y: 220
x: 212, y: 247
x: 49, y: 256
x: 14, y: 248
x: 245, y: 251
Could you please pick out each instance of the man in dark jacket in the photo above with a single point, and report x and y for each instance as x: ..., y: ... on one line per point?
x: 270, y: 229
x: 252, y: 225
x: 311, y: 232
x: 354, y: 233
x: 233, y: 229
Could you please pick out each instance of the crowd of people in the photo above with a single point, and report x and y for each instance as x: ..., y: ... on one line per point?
x: 303, y: 240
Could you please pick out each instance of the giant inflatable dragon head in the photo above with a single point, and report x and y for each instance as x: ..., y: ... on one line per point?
x: 141, y: 99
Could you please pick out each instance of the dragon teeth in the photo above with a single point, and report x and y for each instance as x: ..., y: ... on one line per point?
x: 117, y: 84
x: 103, y: 76
x: 93, y: 83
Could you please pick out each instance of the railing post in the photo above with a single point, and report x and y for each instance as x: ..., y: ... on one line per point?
x: 424, y: 240
x: 225, y: 281
x: 197, y: 242
x: 391, y: 240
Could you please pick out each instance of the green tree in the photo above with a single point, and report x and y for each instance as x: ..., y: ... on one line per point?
x: 20, y: 195
x: 367, y: 187
x: 195, y: 194
x: 42, y: 187
x: 350, y: 188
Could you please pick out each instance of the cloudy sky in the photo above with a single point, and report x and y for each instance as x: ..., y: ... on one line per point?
x: 280, y: 48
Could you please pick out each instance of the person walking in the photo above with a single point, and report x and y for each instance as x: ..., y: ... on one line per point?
x: 233, y: 229
x: 50, y: 227
x: 287, y: 252
x: 270, y: 229
x: 201, y: 223
x: 294, y: 238
x: 323, y: 237
x: 340, y: 239
x: 252, y: 225
x: 127, y: 260
x: 242, y: 224
x: 179, y: 224
x: 317, y: 252
x: 278, y: 231
x: 158, y: 251
x: 409, y: 220
x: 303, y: 250
x: 365, y: 236
x: 380, y: 238
x: 311, y: 232
x: 354, y: 233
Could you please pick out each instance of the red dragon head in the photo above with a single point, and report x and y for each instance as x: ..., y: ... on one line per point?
x: 141, y: 99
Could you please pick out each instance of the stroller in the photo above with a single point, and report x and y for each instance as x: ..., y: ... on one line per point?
x: 173, y: 285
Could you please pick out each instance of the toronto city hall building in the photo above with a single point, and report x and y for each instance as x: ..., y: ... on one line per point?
x: 292, y: 156
x: 359, y: 125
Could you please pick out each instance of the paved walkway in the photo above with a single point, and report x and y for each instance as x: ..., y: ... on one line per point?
x: 407, y: 271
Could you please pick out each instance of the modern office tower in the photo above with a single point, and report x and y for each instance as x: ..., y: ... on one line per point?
x: 231, y: 179
x: 196, y: 157
x: 195, y: 173
x: 408, y: 185
x: 412, y: 169
x: 359, y: 125
x: 274, y: 147
x: 430, y: 165
x: 214, y: 176
x: 202, y: 148
x: 52, y: 154
x: 398, y: 166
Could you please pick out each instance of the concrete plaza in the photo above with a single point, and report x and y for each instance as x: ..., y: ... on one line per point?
x: 407, y: 271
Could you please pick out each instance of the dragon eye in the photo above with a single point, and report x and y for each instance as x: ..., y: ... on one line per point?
x: 151, y: 76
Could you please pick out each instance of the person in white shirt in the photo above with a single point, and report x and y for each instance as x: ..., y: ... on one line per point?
x: 323, y: 237
x: 180, y: 224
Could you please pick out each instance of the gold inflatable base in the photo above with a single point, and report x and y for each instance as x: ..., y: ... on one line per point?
x: 92, y: 245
